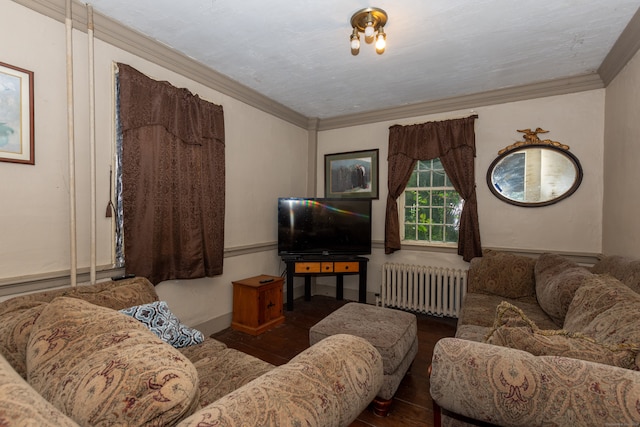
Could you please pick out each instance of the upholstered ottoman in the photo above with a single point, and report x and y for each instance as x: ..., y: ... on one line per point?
x: 392, y: 332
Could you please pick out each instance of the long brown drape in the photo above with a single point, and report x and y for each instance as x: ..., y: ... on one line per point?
x: 173, y: 178
x: 453, y: 141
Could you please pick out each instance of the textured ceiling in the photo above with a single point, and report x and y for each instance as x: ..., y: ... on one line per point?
x: 297, y: 53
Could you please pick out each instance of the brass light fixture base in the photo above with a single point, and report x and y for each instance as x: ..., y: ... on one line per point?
x: 361, y: 18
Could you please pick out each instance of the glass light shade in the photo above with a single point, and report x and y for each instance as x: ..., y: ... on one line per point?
x: 355, y: 40
x: 369, y: 30
x: 381, y: 42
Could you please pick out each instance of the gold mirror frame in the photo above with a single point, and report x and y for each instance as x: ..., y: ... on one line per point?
x: 532, y: 144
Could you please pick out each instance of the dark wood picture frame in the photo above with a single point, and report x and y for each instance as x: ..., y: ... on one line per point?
x: 17, y: 143
x: 352, y: 175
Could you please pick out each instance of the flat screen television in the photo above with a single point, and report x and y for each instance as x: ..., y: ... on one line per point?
x: 320, y: 226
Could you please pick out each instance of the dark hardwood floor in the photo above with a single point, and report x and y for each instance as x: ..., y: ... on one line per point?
x: 412, y: 402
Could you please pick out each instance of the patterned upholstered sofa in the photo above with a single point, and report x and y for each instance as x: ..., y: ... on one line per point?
x: 70, y: 358
x: 542, y: 342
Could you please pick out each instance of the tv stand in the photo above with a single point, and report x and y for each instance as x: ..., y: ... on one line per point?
x: 325, y: 265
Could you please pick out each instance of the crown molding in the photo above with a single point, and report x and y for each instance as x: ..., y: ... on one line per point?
x: 499, y: 96
x: 140, y: 45
x: 120, y: 36
x: 622, y: 51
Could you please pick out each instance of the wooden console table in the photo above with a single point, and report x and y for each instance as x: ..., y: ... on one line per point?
x: 326, y: 266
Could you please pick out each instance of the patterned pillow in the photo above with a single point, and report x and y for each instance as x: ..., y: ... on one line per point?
x: 608, y: 311
x: 514, y: 330
x: 557, y: 280
x: 103, y: 368
x: 502, y: 273
x: 161, y: 321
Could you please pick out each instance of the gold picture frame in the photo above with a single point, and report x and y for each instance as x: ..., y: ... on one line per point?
x: 17, y: 141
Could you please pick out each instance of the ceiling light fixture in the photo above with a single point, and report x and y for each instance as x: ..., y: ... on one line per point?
x: 371, y: 22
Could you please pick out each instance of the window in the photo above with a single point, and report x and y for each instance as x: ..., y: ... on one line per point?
x: 430, y: 207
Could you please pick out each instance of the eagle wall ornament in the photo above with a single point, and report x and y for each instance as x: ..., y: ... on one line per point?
x: 531, y: 138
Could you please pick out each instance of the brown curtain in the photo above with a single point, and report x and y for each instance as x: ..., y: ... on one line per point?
x: 453, y: 141
x: 173, y: 179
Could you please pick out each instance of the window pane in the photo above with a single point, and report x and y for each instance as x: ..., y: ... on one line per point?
x: 424, y: 198
x: 438, y: 179
x: 413, y: 181
x: 452, y: 215
x: 409, y: 232
x: 424, y: 216
x: 424, y: 179
x: 452, y: 234
x: 437, y: 198
x: 437, y: 165
x: 423, y: 232
x: 437, y: 233
x: 437, y: 215
x: 410, y: 215
x: 410, y: 198
x: 452, y: 197
x: 424, y: 164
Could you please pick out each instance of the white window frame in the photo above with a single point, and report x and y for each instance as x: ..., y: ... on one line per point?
x: 401, y: 215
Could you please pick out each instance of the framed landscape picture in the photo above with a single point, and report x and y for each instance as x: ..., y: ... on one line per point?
x: 16, y: 115
x: 351, y: 175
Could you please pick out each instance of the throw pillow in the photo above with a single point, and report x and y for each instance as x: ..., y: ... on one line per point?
x: 607, y: 311
x: 625, y: 269
x: 502, y: 273
x: 565, y: 344
x: 514, y: 330
x: 101, y: 367
x: 161, y: 321
x: 557, y: 280
x: 592, y: 299
x: 508, y: 314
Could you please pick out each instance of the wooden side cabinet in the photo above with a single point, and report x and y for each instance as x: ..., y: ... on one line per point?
x: 257, y: 304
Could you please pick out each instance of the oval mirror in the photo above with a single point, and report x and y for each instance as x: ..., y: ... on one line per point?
x: 534, y: 175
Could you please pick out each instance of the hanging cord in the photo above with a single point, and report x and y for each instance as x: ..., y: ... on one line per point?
x: 110, y: 207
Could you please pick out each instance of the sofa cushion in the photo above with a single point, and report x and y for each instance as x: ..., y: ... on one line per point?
x: 502, y: 273
x: 226, y: 371
x: 557, y: 280
x: 101, y: 367
x: 480, y: 310
x: 606, y: 310
x: 514, y: 330
x: 161, y: 321
x: 625, y: 269
x: 208, y: 348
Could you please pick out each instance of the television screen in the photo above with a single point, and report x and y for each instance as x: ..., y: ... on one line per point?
x: 324, y: 226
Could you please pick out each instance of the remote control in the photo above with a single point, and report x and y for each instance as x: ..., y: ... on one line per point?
x: 125, y: 276
x: 266, y: 280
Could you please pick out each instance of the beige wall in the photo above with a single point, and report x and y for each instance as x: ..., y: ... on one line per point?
x: 266, y: 158
x: 621, y: 230
x: 572, y: 225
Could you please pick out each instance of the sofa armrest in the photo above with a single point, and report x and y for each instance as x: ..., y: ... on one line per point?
x: 511, y: 387
x: 328, y: 384
x: 21, y: 405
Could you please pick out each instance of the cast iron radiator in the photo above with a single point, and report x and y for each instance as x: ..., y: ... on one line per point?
x: 425, y: 289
